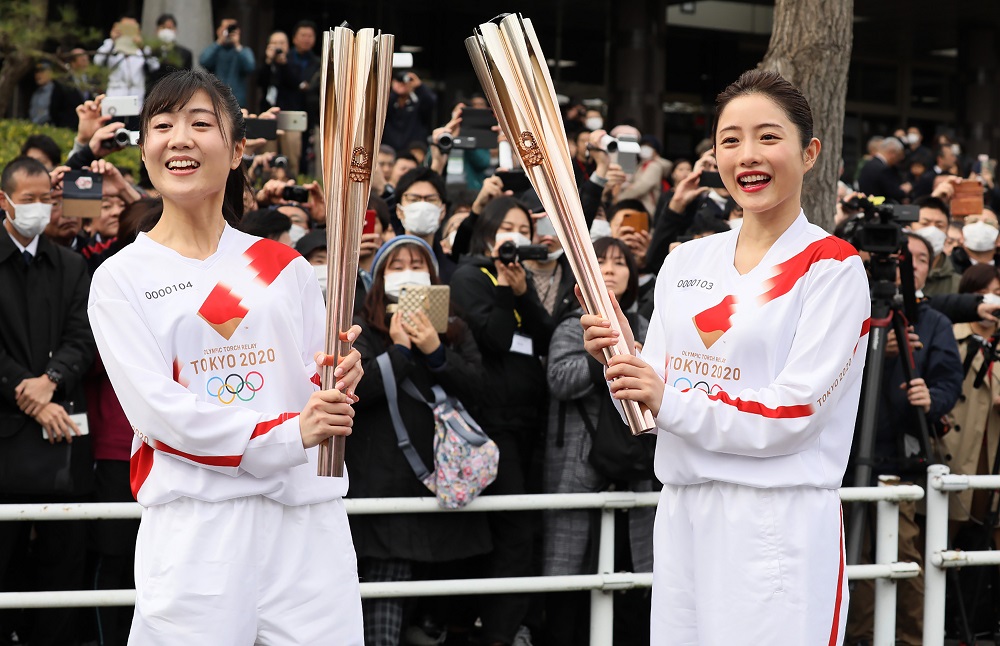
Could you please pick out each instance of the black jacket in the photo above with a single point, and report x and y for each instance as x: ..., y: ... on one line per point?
x: 515, y: 386
x: 408, y: 122
x: 377, y: 465
x: 877, y: 178
x: 43, y: 325
x: 669, y: 226
x: 938, y: 363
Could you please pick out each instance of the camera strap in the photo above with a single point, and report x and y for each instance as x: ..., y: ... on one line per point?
x: 493, y: 280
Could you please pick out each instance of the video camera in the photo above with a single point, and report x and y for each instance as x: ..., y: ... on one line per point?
x: 623, y: 151
x: 878, y: 227
x: 508, y: 253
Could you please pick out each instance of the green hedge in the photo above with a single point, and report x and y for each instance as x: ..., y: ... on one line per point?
x: 14, y: 132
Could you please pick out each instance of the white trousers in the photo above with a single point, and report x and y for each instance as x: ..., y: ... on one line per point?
x: 742, y: 565
x: 246, y: 571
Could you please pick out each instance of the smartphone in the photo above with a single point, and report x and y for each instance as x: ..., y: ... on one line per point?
x: 120, y: 106
x: 433, y: 300
x: 477, y: 129
x: 638, y: 220
x: 82, y: 192
x: 262, y: 129
x: 402, y: 60
x: 514, y: 180
x: 711, y: 179
x: 80, y: 419
x: 370, y: 218
x: 292, y: 121
x: 295, y: 194
x: 968, y: 198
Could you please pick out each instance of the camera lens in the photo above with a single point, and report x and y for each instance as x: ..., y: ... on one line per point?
x: 507, y: 253
x: 279, y: 162
x: 445, y: 141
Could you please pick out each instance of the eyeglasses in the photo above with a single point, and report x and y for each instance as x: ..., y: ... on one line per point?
x: 410, y: 198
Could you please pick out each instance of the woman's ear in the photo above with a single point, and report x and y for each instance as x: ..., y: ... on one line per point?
x: 811, y: 153
x: 238, y: 153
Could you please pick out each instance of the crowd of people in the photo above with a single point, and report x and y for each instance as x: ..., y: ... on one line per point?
x: 514, y: 352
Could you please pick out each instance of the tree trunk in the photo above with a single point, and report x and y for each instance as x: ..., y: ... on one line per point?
x: 811, y: 47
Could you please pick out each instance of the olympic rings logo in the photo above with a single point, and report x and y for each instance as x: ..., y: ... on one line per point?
x: 701, y: 385
x: 235, y: 387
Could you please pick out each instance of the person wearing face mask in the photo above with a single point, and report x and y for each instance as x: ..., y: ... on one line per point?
x: 46, y: 348
x: 593, y: 120
x: 979, y: 246
x: 647, y: 184
x: 394, y: 547
x: 553, y: 277
x: 513, y: 330
x: 171, y: 54
x: 933, y: 227
x: 269, y: 224
x: 581, y: 406
x: 420, y: 208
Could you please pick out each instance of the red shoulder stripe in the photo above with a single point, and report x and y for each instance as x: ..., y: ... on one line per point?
x: 790, y: 271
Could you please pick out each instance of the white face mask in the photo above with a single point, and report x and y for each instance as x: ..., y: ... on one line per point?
x: 29, y: 219
x: 297, y: 232
x: 167, y: 35
x: 935, y: 236
x: 516, y: 237
x: 913, y: 138
x: 395, y: 281
x: 321, y: 276
x: 556, y: 255
x: 600, y: 229
x: 594, y: 123
x: 979, y: 236
x: 646, y: 152
x: 421, y: 218
x: 955, y: 148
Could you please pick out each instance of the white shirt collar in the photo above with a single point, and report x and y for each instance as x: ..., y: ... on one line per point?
x: 32, y: 247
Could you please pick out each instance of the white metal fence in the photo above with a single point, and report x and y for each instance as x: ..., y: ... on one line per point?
x: 885, y: 570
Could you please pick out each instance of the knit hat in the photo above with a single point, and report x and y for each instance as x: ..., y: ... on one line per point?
x: 398, y: 241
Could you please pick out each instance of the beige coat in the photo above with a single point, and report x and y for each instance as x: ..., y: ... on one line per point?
x: 973, y: 417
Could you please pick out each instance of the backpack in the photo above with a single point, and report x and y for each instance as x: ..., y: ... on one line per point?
x: 465, y: 458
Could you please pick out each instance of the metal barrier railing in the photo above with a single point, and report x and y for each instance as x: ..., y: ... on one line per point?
x: 941, y: 482
x: 885, y: 570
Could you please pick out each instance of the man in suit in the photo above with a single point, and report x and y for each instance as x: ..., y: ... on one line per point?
x: 879, y: 176
x: 945, y: 163
x: 172, y: 56
x: 46, y: 347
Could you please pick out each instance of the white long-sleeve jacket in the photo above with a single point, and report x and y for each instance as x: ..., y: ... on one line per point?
x: 212, y: 361
x: 763, y: 370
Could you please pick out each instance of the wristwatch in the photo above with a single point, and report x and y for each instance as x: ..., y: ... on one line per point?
x: 54, y: 376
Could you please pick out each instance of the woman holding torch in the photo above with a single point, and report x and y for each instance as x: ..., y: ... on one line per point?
x: 752, y: 368
x: 210, y: 339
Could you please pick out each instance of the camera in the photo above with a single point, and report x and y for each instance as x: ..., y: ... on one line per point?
x: 123, y: 138
x: 624, y: 151
x: 445, y: 141
x: 278, y: 52
x: 508, y: 253
x: 878, y: 227
x: 295, y: 194
x: 280, y: 161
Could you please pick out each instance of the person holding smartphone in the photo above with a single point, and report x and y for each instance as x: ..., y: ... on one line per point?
x: 392, y: 546
x: 752, y: 369
x: 212, y: 338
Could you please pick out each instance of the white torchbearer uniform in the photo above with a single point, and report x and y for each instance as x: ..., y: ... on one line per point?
x: 240, y: 541
x: 763, y: 377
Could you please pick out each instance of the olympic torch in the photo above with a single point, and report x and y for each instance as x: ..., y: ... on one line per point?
x: 512, y: 70
x: 354, y: 97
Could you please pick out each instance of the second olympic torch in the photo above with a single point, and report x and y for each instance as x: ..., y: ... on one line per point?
x: 512, y: 70
x: 354, y: 97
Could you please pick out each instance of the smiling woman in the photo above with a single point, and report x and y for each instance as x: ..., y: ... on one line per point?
x: 751, y: 367
x: 210, y: 337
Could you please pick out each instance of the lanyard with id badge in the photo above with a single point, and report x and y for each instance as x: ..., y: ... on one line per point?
x: 521, y: 343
